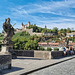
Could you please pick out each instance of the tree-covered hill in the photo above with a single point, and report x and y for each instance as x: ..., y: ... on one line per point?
x: 23, y: 40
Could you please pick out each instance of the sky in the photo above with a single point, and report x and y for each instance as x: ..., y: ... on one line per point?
x: 52, y: 13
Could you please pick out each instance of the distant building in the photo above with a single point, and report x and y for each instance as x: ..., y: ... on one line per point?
x: 25, y: 26
x: 72, y: 45
x: 51, y: 45
x: 70, y: 34
x: 49, y: 34
x: 48, y: 44
x: 38, y: 34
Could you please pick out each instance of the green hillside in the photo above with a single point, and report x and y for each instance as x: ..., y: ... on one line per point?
x: 23, y: 40
x: 21, y: 35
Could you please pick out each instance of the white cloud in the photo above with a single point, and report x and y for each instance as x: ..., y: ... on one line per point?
x: 58, y: 8
x: 63, y: 9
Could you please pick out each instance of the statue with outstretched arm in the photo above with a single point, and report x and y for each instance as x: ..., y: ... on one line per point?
x: 9, y: 31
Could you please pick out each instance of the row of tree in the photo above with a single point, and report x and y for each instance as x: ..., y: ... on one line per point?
x: 54, y: 30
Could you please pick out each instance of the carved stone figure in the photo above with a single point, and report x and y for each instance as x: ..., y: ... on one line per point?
x: 9, y: 31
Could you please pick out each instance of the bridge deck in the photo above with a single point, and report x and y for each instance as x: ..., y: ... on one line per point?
x: 27, y: 65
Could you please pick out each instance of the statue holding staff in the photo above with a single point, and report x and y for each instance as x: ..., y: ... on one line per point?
x: 9, y: 31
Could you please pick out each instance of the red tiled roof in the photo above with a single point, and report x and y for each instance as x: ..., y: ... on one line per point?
x: 44, y: 43
x: 53, y: 43
x: 72, y: 44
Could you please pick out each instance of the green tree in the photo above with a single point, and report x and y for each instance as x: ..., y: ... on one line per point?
x: 42, y: 48
x: 56, y: 49
x: 68, y: 30
x: 31, y: 45
x: 55, y: 30
x: 49, y: 48
x: 24, y: 33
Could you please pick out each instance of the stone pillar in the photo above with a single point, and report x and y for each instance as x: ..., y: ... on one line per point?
x: 5, y: 58
x: 9, y: 50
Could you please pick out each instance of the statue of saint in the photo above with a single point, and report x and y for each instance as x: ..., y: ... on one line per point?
x: 9, y: 31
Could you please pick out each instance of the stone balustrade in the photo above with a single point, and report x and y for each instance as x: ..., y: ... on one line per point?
x: 40, y: 54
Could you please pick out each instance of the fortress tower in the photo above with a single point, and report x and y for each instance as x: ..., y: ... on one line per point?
x: 25, y: 26
x: 28, y: 23
x: 22, y: 26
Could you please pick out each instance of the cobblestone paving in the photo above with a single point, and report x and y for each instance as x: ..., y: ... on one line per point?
x: 65, y: 68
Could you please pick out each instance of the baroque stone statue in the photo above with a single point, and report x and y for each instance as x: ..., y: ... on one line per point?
x: 8, y: 30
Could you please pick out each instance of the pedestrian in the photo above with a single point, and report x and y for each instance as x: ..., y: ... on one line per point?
x: 64, y: 50
x: 71, y: 51
x: 67, y: 50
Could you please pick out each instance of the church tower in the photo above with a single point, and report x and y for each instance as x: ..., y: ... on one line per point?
x: 45, y: 26
x: 28, y: 23
x: 22, y: 26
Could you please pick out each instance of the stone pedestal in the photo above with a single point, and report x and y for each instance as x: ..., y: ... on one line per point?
x: 5, y: 61
x: 5, y: 49
x: 5, y: 58
x: 8, y: 49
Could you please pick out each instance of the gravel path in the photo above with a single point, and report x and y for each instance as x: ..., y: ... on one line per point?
x: 65, y: 68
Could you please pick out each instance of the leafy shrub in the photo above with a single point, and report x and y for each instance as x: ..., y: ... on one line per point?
x: 24, y: 33
x: 49, y: 49
x: 41, y: 48
x: 56, y: 49
x: 31, y: 45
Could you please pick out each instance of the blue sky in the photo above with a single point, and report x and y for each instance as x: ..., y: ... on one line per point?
x: 52, y: 13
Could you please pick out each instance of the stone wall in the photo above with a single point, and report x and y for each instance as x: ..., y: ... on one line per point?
x: 38, y: 34
x: 56, y: 54
x: 5, y: 61
x: 42, y: 54
x: 36, y: 54
x: 24, y: 53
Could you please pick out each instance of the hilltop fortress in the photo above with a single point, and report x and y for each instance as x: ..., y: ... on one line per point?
x: 25, y: 28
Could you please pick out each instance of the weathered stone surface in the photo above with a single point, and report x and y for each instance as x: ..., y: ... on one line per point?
x: 25, y: 65
x: 37, y: 54
x: 56, y: 54
x: 8, y: 30
x: 24, y: 53
x: 7, y: 44
x: 5, y: 61
x: 42, y: 54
